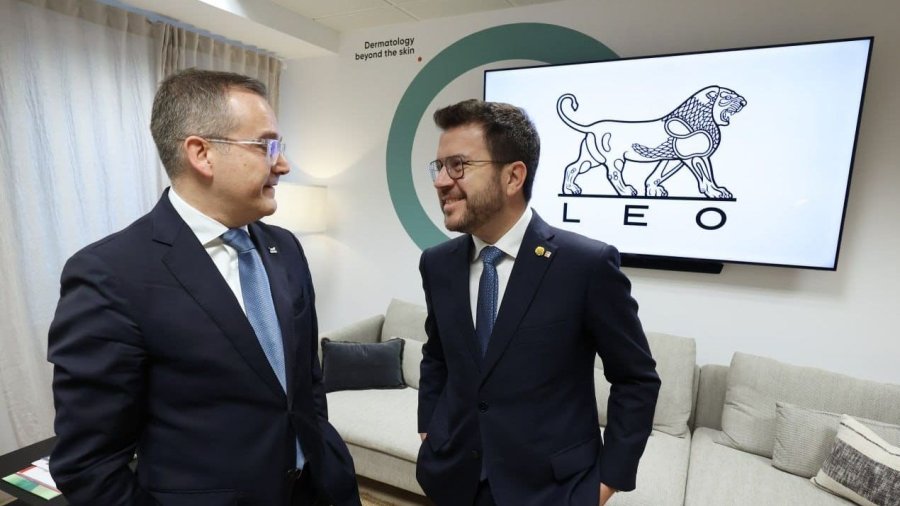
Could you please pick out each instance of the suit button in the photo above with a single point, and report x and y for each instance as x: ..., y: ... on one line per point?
x: 483, y: 407
x: 476, y: 454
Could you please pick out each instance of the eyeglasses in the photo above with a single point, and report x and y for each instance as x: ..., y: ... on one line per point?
x: 455, y: 165
x: 274, y: 147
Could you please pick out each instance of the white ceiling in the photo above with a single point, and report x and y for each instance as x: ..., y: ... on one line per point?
x: 306, y: 28
x: 343, y: 15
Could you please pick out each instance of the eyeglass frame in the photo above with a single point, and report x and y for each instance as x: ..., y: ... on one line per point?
x: 435, y: 167
x: 271, y: 159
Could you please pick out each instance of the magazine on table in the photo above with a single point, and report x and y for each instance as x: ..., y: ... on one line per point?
x: 36, y: 479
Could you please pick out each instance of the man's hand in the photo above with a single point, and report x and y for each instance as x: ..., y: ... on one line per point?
x: 605, y: 493
x: 423, y: 435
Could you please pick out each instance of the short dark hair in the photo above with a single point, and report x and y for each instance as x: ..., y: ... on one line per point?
x: 194, y: 102
x: 508, y: 132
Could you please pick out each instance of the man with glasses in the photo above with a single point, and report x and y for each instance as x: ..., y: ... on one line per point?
x: 190, y: 337
x: 517, y: 312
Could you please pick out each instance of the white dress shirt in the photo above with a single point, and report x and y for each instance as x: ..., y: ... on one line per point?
x: 509, y: 244
x: 209, y: 232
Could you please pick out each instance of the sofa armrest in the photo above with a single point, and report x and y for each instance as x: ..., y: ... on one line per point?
x: 363, y: 331
x: 711, y: 396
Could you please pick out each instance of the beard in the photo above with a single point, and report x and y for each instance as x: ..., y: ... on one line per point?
x: 480, y: 208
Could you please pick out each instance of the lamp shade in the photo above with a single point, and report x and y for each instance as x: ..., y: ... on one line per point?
x: 301, y: 208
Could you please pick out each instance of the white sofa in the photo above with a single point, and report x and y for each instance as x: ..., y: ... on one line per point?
x: 685, y: 463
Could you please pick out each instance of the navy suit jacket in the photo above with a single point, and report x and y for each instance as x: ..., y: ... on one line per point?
x: 526, y: 411
x: 154, y: 355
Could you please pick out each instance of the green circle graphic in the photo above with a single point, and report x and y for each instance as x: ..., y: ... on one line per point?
x: 528, y: 41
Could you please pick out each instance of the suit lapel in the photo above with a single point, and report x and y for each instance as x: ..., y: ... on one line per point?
x: 281, y: 297
x: 457, y: 279
x: 524, y: 281
x: 191, y: 266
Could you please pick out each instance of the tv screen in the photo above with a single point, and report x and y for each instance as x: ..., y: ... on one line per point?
x: 739, y: 155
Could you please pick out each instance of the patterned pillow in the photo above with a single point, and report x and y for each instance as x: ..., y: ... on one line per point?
x: 862, y: 467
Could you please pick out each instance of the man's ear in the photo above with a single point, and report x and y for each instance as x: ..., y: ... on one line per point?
x: 198, y: 154
x: 514, y: 179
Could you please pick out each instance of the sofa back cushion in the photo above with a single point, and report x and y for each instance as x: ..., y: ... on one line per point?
x: 404, y: 319
x: 755, y: 384
x: 675, y: 363
x: 412, y: 359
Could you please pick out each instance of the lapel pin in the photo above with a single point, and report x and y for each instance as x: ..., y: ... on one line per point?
x: 539, y: 251
x: 547, y: 254
x: 273, y: 250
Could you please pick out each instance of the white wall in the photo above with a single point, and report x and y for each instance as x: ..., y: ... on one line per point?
x: 336, y: 113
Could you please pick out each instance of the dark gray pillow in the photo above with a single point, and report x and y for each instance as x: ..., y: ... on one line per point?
x: 359, y: 366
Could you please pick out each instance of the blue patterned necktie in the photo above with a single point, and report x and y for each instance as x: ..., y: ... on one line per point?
x: 488, y: 288
x: 259, y: 307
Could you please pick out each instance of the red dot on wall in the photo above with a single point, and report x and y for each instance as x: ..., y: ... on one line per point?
x: 420, y: 58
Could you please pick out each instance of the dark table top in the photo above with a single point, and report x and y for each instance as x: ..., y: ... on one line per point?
x: 20, y: 459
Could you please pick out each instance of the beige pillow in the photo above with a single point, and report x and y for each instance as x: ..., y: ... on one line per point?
x: 412, y: 359
x: 804, y: 437
x: 862, y: 467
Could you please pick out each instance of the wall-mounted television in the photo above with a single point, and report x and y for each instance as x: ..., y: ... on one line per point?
x: 691, y: 160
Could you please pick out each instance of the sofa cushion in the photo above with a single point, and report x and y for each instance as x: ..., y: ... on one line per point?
x: 804, y: 437
x: 755, y: 384
x: 720, y: 475
x: 862, y: 467
x: 380, y: 420
x: 356, y: 366
x: 675, y: 363
x: 662, y: 473
x: 404, y: 319
x: 412, y: 360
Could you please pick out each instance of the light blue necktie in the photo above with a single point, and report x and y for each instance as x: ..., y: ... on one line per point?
x: 488, y: 288
x: 259, y: 307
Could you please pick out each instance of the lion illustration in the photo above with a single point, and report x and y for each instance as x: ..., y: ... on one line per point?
x: 687, y: 136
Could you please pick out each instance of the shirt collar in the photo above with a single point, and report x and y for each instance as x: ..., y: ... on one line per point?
x: 511, y: 241
x: 205, y: 228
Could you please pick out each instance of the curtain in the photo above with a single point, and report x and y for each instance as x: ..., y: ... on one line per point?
x: 180, y: 48
x: 77, y: 162
x: 76, y: 87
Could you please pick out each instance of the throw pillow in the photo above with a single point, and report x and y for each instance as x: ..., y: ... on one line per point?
x: 358, y: 366
x: 412, y: 359
x: 862, y: 467
x: 804, y: 437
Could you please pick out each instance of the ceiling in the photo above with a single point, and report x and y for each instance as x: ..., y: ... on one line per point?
x: 343, y: 15
x: 305, y: 28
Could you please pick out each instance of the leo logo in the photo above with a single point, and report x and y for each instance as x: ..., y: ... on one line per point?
x: 686, y: 137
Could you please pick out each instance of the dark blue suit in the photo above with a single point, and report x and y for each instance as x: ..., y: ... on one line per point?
x: 153, y: 354
x: 527, y: 409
